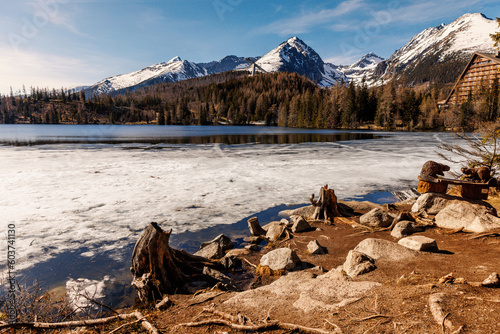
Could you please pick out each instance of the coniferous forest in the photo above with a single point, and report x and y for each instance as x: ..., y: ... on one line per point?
x: 234, y: 98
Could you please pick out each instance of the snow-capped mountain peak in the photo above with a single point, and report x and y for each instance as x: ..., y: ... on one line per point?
x: 175, y: 59
x: 294, y: 55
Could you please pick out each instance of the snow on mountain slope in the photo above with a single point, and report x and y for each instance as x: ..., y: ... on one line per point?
x: 297, y: 57
x: 456, y: 41
x: 362, y: 67
x: 174, y: 70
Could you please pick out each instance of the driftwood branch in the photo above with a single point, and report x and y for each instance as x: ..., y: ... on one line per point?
x: 83, y: 323
x: 435, y: 301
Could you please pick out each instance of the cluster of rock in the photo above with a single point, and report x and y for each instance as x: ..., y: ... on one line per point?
x: 218, y: 256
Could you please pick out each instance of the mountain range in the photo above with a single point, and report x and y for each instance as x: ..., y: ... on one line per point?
x: 435, y: 54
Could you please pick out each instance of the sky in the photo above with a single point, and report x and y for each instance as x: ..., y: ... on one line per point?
x: 68, y: 43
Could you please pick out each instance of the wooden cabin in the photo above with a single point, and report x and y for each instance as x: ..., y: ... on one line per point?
x: 483, y: 68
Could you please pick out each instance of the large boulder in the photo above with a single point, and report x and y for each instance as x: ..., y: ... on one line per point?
x: 384, y: 249
x: 468, y: 216
x: 419, y: 243
x: 433, y: 203
x: 358, y: 263
x: 280, y: 259
x: 376, y: 218
x: 405, y: 228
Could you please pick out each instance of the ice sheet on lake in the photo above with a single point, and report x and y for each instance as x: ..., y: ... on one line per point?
x: 65, y: 197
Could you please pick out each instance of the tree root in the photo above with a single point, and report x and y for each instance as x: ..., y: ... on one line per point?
x: 238, y: 323
x: 83, y: 323
x: 435, y: 301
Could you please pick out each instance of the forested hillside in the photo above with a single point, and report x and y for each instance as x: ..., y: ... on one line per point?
x: 282, y: 99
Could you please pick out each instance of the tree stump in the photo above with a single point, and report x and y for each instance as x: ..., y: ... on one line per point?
x: 326, y: 205
x: 159, y: 269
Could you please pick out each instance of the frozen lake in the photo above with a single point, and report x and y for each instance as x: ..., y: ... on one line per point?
x: 80, y: 201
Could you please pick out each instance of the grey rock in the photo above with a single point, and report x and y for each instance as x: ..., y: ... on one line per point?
x: 376, y: 218
x: 252, y: 248
x: 299, y: 224
x: 280, y: 259
x: 384, y: 249
x: 315, y: 248
x: 468, y: 216
x: 432, y: 203
x: 405, y: 228
x: 224, y: 242
x: 230, y: 262
x: 275, y: 231
x: 360, y: 206
x: 211, y: 251
x: 286, y: 222
x: 419, y: 243
x: 306, y: 212
x: 493, y: 281
x: 216, y: 277
x: 358, y: 263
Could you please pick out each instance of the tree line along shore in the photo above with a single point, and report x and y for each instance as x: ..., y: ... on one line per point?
x: 280, y: 99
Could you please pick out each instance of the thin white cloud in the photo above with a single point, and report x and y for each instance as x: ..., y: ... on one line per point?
x: 55, y: 12
x: 307, y: 21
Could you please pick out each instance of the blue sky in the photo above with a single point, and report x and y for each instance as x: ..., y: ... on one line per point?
x: 64, y: 43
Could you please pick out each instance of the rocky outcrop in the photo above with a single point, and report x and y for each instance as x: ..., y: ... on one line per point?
x: 433, y: 203
x: 304, y: 291
x: 468, y: 216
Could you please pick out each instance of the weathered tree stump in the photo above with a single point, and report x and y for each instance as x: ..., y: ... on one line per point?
x: 326, y: 205
x: 159, y: 269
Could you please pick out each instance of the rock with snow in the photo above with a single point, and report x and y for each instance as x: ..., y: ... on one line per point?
x: 405, y: 228
x: 376, y: 218
x: 379, y: 249
x: 358, y: 263
x: 315, y: 248
x: 280, y: 259
x: 419, y: 243
x: 468, y: 216
x: 299, y: 224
